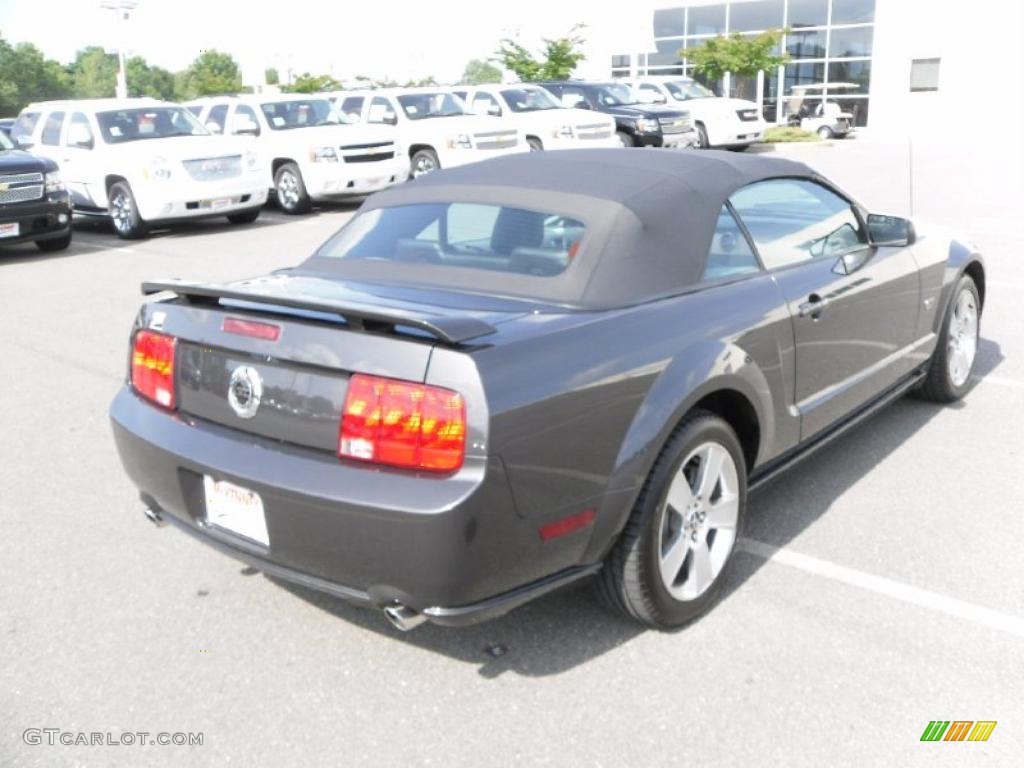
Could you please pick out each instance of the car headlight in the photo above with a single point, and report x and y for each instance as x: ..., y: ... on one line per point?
x: 564, y: 132
x: 53, y: 182
x: 323, y: 155
x: 648, y: 125
x: 462, y: 141
x: 157, y: 169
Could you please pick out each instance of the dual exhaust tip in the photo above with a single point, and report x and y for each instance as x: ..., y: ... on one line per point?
x: 402, y: 617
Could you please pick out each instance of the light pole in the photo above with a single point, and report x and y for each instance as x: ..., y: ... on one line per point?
x: 122, y: 9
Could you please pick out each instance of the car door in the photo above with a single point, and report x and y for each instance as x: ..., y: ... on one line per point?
x: 854, y: 306
x: 78, y: 160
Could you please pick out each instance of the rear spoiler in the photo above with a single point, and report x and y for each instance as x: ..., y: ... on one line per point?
x: 446, y: 328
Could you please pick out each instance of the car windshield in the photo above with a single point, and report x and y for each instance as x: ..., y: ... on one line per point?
x: 300, y: 113
x: 120, y: 125
x: 494, y: 238
x: 5, y: 143
x: 529, y: 99
x: 617, y: 95
x: 418, y: 106
x: 682, y: 90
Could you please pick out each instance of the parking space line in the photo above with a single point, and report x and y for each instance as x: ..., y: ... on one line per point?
x: 923, y: 598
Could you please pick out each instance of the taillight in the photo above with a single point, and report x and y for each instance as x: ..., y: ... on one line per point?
x: 153, y: 367
x: 252, y: 328
x: 403, y: 424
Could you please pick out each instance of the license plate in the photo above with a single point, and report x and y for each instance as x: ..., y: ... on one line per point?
x: 222, y: 202
x: 10, y: 230
x: 235, y: 509
x: 376, y: 181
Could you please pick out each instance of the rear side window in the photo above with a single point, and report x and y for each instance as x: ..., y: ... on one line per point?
x: 382, y: 112
x: 352, y: 107
x: 79, y: 132
x: 730, y: 254
x: 218, y: 116
x: 51, y: 129
x: 467, y: 235
x: 24, y: 126
x: 794, y: 220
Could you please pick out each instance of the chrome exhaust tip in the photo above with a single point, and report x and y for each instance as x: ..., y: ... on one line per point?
x: 402, y: 617
x: 153, y: 515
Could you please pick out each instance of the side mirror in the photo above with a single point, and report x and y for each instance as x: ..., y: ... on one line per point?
x: 581, y: 105
x: 390, y: 119
x: 246, y: 126
x: 23, y: 142
x: 494, y: 110
x: 649, y: 97
x: 890, y: 230
x: 212, y: 127
x: 79, y: 136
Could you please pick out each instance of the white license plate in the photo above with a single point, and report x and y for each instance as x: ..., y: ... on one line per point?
x: 222, y: 202
x: 374, y: 182
x: 235, y: 509
x: 10, y: 230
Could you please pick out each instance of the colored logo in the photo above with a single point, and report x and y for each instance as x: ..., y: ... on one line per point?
x: 958, y: 730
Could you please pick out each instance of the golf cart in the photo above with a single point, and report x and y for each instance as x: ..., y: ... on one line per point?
x: 809, y: 108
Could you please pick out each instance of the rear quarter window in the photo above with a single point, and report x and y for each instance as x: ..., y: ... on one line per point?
x: 24, y: 126
x: 491, y: 238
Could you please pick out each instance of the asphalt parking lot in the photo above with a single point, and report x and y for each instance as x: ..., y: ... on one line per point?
x: 879, y: 585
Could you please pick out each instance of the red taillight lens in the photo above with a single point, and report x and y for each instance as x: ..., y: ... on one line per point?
x: 403, y: 424
x: 153, y: 367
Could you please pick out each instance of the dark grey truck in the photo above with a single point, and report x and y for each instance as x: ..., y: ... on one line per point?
x: 500, y: 379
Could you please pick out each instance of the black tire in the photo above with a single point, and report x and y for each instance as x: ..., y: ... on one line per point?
x: 290, y: 189
x: 422, y: 162
x: 625, y: 139
x: 54, y: 243
x: 536, y: 145
x: 124, y: 214
x: 825, y: 133
x: 702, y: 137
x: 939, y: 386
x: 244, y: 217
x: 630, y: 581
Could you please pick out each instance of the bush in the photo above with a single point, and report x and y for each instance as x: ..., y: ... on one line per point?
x: 786, y: 133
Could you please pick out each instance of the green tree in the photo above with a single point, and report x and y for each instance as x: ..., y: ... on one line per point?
x: 557, y: 62
x: 26, y: 75
x: 307, y: 83
x: 93, y: 73
x: 422, y: 82
x: 744, y: 56
x: 144, y: 80
x: 270, y: 76
x: 480, y: 71
x: 211, y: 74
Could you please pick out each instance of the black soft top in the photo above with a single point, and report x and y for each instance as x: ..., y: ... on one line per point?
x: 650, y: 216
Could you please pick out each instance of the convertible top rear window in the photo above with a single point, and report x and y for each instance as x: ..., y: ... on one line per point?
x: 475, y: 236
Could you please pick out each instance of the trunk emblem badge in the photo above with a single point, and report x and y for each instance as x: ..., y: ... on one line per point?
x: 245, y: 391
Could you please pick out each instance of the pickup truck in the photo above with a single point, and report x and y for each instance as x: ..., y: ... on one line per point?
x: 434, y: 125
x: 638, y: 125
x: 306, y: 149
x: 142, y: 161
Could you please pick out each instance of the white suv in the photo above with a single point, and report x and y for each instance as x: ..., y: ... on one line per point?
x: 720, y: 122
x: 544, y: 122
x: 434, y: 125
x: 310, y: 152
x: 142, y: 161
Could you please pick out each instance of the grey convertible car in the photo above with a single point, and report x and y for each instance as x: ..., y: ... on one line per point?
x: 500, y: 379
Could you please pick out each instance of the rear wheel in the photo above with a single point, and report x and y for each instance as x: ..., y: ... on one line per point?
x: 124, y: 213
x: 702, y: 137
x: 423, y: 162
x: 953, y: 359
x: 625, y: 139
x: 291, y: 191
x: 670, y: 562
x: 54, y: 243
x: 244, y: 217
x: 535, y: 144
x: 825, y: 132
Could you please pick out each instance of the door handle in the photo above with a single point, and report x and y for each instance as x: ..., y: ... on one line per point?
x: 813, y: 307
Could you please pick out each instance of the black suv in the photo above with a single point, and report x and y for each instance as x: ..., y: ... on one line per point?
x: 34, y: 205
x: 638, y: 125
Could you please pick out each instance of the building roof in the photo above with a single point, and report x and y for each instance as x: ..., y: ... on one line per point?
x: 650, y: 217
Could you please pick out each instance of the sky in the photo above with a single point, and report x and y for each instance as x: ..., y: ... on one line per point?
x: 396, y: 38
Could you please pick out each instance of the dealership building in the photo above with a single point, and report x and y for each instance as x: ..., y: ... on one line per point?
x: 893, y: 64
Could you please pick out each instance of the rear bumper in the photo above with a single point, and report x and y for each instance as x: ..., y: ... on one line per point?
x: 451, y: 548
x: 39, y: 219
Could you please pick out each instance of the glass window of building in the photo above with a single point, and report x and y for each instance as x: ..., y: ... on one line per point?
x: 850, y: 42
x: 804, y: 73
x: 807, y: 13
x: 809, y: 44
x: 853, y: 11
x: 667, y: 53
x: 755, y: 15
x: 669, y: 22
x: 858, y: 72
x: 706, y: 20
x: 924, y: 74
